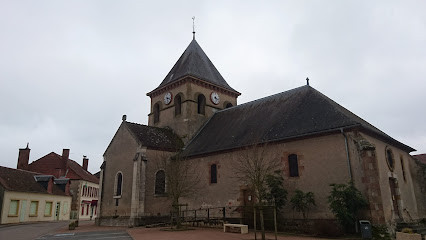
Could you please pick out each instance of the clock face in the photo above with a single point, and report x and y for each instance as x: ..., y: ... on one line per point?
x: 215, y: 98
x: 168, y: 98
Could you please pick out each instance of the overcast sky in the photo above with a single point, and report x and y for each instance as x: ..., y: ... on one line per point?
x: 69, y: 70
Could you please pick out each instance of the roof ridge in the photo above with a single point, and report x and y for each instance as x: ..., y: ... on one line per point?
x: 23, y: 170
x: 262, y: 99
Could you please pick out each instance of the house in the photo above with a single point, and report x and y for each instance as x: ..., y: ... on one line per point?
x: 84, y: 186
x: 194, y: 111
x: 30, y: 197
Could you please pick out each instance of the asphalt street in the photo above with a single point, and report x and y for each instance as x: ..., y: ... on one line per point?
x: 29, y: 231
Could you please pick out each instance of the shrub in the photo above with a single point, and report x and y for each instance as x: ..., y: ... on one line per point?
x: 345, y: 202
x: 71, y: 226
x: 380, y: 232
x: 407, y: 230
x: 302, y: 202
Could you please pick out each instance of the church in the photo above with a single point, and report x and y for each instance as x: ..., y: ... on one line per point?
x: 194, y: 112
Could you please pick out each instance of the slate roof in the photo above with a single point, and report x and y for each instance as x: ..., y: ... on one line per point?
x: 154, y: 137
x: 49, y: 164
x: 194, y: 62
x: 421, y: 158
x: 24, y: 181
x: 296, y: 113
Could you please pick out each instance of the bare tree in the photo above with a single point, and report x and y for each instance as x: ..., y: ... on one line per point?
x: 182, y: 180
x: 252, y: 167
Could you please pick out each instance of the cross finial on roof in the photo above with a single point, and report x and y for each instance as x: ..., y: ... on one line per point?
x: 307, y: 81
x: 193, y: 27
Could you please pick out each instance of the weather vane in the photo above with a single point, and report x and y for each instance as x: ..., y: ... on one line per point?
x: 193, y: 27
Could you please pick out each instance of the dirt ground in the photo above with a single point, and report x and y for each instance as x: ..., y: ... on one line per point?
x: 194, y: 234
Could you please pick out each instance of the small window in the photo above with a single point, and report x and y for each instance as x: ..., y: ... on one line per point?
x: 390, y: 159
x: 160, y: 182
x: 118, y: 184
x: 13, y: 208
x: 33, y: 208
x: 213, y: 173
x: 156, y: 113
x: 201, y: 104
x: 178, y: 105
x: 403, y: 168
x: 82, y: 209
x: 48, y: 209
x: 293, y: 165
x: 228, y: 105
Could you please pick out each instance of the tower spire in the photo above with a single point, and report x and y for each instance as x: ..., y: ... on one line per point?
x: 193, y: 27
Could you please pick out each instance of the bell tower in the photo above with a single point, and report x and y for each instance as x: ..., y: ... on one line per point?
x: 190, y: 94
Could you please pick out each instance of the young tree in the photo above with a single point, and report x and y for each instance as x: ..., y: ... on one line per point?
x: 182, y: 180
x: 302, y: 202
x: 345, y: 202
x: 253, y: 167
x: 276, y: 195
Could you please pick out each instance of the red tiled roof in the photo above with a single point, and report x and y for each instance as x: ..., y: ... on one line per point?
x: 23, y: 181
x: 51, y: 164
x: 420, y: 157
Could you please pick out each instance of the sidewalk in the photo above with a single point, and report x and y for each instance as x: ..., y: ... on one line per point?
x: 89, y: 226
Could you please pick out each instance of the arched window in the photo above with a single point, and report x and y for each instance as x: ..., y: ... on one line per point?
x: 228, y: 105
x: 118, y: 183
x: 389, y: 159
x: 156, y: 113
x: 402, y: 168
x: 160, y: 182
x: 293, y: 165
x: 201, y: 104
x: 213, y: 173
x: 178, y: 105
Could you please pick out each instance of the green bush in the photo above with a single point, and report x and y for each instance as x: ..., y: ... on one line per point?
x: 380, y: 232
x: 71, y: 226
x: 302, y: 202
x: 345, y: 202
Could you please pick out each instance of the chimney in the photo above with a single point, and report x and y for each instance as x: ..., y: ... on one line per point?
x: 65, y: 157
x: 23, y: 158
x: 50, y: 185
x: 85, y: 162
x: 67, y: 188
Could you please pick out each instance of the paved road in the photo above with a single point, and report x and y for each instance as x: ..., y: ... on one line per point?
x: 30, y: 231
x: 121, y: 235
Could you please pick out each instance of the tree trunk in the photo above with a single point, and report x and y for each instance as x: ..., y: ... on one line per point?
x: 275, y: 222
x: 176, y: 209
x: 262, y: 223
x: 254, y: 222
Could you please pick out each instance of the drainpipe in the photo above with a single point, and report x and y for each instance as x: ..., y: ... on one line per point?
x: 347, y: 154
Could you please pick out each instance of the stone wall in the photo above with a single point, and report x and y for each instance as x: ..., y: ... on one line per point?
x: 189, y: 121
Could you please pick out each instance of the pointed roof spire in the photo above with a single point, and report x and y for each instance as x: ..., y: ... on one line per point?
x: 194, y: 62
x: 193, y: 27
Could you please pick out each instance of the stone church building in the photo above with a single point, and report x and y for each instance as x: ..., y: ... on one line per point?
x: 194, y: 111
